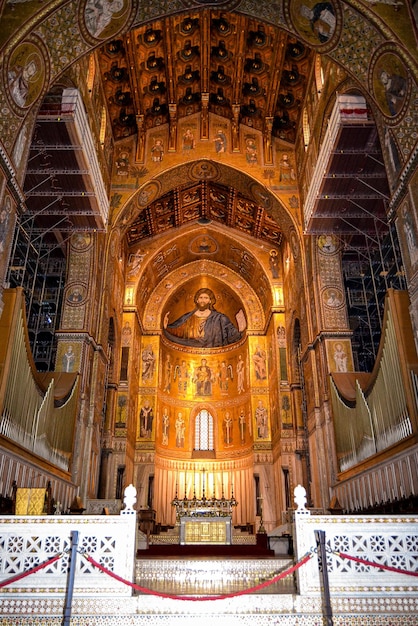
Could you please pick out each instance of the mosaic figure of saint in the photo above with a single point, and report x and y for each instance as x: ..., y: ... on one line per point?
x: 225, y: 373
x: 180, y: 431
x: 189, y: 142
x: 228, y: 424
x: 157, y: 151
x: 240, y: 374
x: 259, y: 360
x: 68, y: 359
x: 168, y: 370
x: 148, y: 363
x: 146, y: 417
x: 20, y: 78
x: 321, y: 18
x: 182, y: 375
x: 395, y: 87
x: 340, y: 358
x: 99, y: 13
x: 166, y: 427
x: 242, y: 426
x: 261, y: 420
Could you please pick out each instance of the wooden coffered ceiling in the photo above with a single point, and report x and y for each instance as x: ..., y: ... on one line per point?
x: 204, y: 61
x: 228, y: 64
x: 205, y: 202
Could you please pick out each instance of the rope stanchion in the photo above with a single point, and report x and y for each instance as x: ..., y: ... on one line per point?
x: 160, y: 594
x: 377, y: 565
x: 14, y: 579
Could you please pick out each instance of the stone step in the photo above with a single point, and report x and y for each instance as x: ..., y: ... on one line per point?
x: 213, y: 576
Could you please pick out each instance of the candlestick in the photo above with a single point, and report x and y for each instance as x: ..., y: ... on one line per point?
x: 261, y: 528
x: 203, y: 484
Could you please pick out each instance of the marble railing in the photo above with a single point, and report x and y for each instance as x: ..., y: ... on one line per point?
x: 383, y: 552
x: 390, y: 541
x: 212, y: 576
x: 28, y: 541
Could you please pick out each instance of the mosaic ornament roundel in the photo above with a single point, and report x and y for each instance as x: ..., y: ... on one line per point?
x: 101, y: 19
x: 204, y: 170
x: 148, y: 193
x: 390, y: 84
x: 260, y: 195
x: 317, y: 23
x: 26, y: 73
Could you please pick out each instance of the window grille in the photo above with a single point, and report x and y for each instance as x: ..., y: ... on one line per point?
x: 204, y: 431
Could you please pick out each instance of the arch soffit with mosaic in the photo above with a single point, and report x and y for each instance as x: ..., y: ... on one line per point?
x: 157, y: 300
x: 184, y: 245
x: 68, y: 14
x: 191, y: 172
x: 188, y: 239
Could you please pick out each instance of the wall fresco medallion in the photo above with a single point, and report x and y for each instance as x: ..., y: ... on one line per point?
x: 27, y: 74
x: 317, y: 23
x: 204, y: 170
x: 101, y: 19
x: 389, y: 84
x: 148, y: 193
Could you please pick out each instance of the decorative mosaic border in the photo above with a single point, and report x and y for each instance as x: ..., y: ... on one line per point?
x: 222, y: 620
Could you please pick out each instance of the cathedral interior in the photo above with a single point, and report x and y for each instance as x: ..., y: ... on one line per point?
x: 209, y: 261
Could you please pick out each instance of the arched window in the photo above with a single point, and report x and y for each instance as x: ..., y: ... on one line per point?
x: 319, y: 74
x: 306, y: 128
x: 203, y: 438
x: 297, y: 349
x: 103, y: 123
x: 91, y: 72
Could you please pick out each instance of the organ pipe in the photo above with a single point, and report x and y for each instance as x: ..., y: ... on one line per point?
x: 30, y: 414
x: 382, y: 409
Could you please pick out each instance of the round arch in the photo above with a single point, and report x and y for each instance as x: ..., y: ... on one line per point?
x: 157, y: 299
x: 206, y: 169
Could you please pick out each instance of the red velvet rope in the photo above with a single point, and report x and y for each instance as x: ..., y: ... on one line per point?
x: 267, y: 583
x: 378, y: 565
x: 9, y: 581
x: 290, y: 570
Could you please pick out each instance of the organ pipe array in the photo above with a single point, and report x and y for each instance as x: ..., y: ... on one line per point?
x: 37, y: 411
x: 375, y: 411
